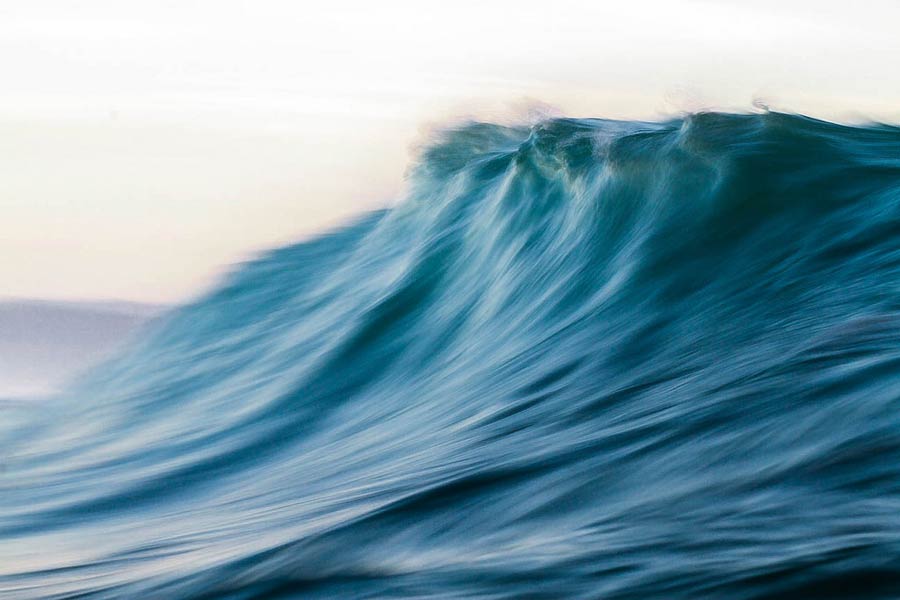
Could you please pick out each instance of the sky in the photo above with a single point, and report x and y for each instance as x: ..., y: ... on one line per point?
x: 146, y: 146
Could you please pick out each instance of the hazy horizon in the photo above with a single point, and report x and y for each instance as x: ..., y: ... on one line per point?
x: 46, y: 344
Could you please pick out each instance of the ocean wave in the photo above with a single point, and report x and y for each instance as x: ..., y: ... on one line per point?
x: 582, y: 359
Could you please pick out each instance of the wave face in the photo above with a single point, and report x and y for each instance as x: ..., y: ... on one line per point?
x: 582, y: 359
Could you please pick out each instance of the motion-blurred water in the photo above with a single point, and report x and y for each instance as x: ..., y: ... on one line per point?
x: 582, y: 359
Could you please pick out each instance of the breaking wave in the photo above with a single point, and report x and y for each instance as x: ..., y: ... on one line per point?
x: 580, y: 359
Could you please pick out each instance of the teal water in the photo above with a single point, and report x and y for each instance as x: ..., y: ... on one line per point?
x: 580, y: 359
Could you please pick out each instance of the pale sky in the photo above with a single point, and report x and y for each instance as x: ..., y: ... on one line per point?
x: 147, y: 145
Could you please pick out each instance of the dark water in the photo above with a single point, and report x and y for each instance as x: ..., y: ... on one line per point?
x: 583, y: 359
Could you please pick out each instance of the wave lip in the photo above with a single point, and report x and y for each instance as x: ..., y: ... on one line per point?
x: 584, y: 358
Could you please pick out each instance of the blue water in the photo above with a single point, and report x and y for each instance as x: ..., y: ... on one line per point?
x: 580, y: 359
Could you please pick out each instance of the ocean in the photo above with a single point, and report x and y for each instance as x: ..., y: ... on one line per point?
x: 580, y: 358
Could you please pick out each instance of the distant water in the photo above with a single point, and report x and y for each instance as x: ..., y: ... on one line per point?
x: 44, y: 344
x: 582, y: 359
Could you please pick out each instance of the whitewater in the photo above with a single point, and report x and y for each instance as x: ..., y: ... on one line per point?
x: 580, y: 359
